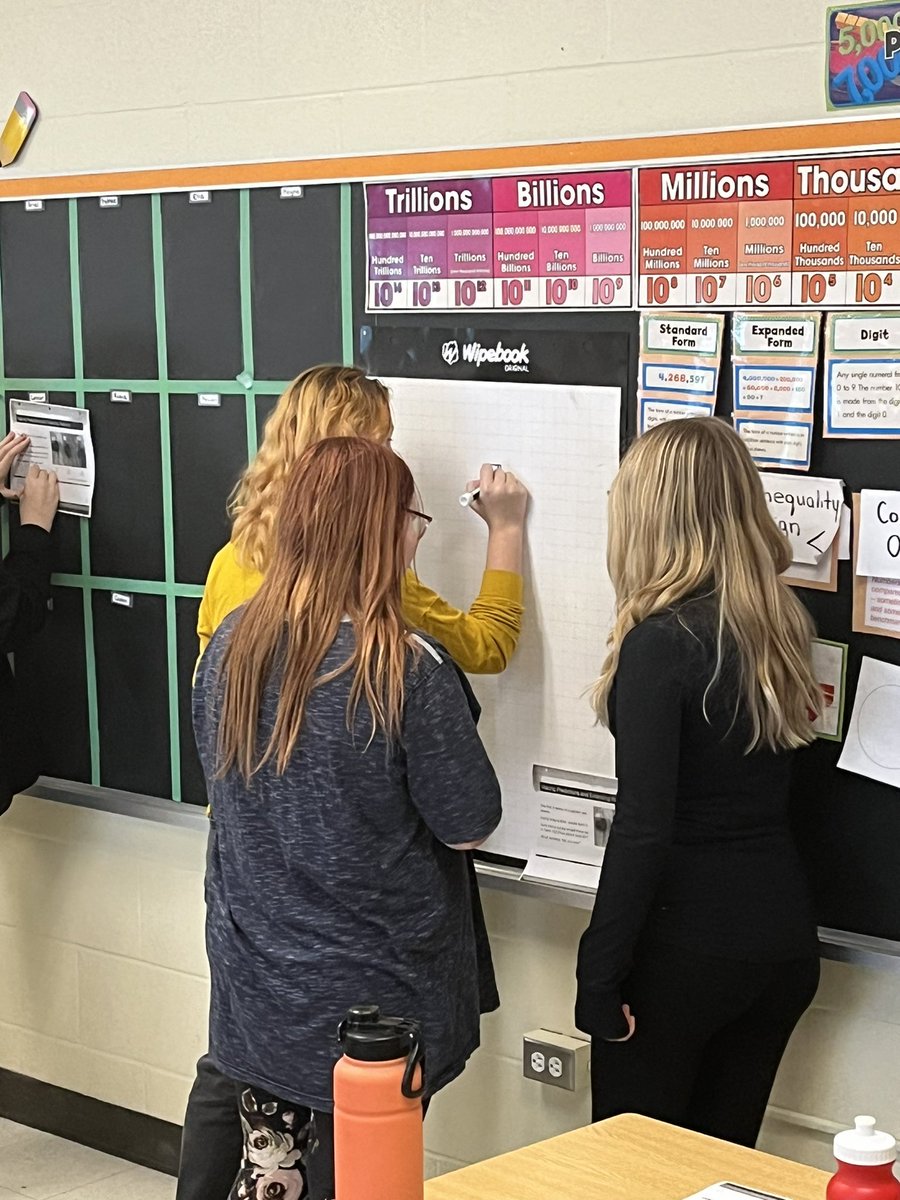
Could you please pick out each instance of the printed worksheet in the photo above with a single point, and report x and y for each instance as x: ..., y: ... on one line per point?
x: 61, y: 442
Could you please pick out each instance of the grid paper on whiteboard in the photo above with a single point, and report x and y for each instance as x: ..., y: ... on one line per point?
x: 563, y: 442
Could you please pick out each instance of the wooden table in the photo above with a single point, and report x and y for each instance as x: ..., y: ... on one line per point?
x: 625, y: 1158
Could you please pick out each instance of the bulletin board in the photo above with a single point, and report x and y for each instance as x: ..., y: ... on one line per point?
x: 166, y: 296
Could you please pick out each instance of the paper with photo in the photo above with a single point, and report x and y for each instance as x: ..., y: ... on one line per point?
x: 879, y: 534
x: 807, y: 511
x: 61, y: 442
x: 872, y: 745
x: 829, y: 660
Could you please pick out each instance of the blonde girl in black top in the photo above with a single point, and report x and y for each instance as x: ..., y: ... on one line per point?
x: 701, y: 954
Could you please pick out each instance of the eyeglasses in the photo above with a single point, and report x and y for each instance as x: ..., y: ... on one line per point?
x: 423, y: 521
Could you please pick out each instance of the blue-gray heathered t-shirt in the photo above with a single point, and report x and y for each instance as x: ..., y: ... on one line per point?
x: 334, y: 884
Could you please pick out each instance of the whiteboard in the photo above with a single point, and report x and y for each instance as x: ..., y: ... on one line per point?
x: 563, y: 442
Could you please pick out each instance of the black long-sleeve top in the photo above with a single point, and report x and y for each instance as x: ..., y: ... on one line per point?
x: 700, y: 854
x: 24, y: 594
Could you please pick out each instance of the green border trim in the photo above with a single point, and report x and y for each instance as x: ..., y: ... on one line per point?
x: 347, y: 276
x: 90, y: 659
x: 165, y: 438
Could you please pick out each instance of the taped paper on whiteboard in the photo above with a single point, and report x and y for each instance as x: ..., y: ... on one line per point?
x: 807, y: 510
x: 772, y: 443
x: 879, y: 534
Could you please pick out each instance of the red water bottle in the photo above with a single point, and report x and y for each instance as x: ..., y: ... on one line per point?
x: 865, y: 1159
x: 378, y: 1146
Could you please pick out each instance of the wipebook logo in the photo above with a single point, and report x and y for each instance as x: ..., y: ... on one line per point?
x: 513, y: 358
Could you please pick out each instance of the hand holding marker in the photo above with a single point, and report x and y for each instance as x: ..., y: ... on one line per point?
x: 475, y: 491
x: 498, y: 497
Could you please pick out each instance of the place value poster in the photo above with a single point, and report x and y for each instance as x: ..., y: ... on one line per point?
x: 549, y: 241
x: 807, y: 233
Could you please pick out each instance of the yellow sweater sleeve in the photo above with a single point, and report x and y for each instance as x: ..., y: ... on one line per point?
x: 229, y: 584
x: 482, y: 640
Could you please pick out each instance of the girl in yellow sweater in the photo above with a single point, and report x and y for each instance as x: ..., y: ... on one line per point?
x: 333, y: 401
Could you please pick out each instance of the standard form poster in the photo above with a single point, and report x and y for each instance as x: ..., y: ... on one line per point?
x: 61, y: 442
x: 678, y: 369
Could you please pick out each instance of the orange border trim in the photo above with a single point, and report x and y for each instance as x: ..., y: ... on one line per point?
x: 774, y: 140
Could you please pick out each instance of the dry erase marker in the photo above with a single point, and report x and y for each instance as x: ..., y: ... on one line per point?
x: 467, y: 497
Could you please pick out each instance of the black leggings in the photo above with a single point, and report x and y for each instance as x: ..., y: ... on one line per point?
x: 710, y: 1034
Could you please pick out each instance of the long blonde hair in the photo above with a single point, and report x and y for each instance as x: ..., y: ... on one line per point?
x: 338, y: 552
x: 687, y: 514
x: 325, y: 401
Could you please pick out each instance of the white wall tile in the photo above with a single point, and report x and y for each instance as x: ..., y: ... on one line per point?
x: 167, y: 1094
x: 172, y: 919
x: 81, y: 1069
x: 39, y: 983
x: 141, y: 1011
x: 492, y: 1108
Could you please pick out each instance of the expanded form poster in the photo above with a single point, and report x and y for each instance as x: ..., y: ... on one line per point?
x: 774, y: 364
x: 563, y: 442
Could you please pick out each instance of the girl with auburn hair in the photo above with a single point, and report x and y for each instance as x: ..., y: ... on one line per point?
x: 701, y: 954
x: 327, y: 402
x: 345, y: 775
x: 334, y: 401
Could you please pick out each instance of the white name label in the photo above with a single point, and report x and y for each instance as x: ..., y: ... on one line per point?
x: 34, y: 206
x: 695, y: 337
x: 123, y: 599
x: 199, y: 197
x: 762, y: 335
x: 292, y: 191
x: 120, y: 397
x: 109, y: 201
x: 209, y: 399
x: 866, y: 333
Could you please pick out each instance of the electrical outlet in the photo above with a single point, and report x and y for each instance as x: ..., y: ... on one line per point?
x: 557, y: 1059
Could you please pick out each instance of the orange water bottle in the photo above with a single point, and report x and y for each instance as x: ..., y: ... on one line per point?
x: 378, y: 1146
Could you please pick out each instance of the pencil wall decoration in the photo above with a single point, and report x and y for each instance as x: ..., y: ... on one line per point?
x: 17, y: 128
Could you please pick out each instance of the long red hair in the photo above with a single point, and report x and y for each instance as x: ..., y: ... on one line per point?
x: 338, y: 552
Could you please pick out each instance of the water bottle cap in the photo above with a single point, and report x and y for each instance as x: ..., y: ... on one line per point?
x: 367, y: 1036
x: 865, y: 1146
